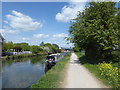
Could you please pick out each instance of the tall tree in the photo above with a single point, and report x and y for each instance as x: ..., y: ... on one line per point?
x: 95, y: 30
x: 4, y: 47
x: 24, y: 46
x: 56, y: 48
x: 10, y: 45
x: 35, y: 49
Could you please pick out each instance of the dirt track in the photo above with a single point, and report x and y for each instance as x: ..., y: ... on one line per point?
x: 77, y: 76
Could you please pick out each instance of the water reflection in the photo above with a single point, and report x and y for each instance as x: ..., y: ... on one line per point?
x: 37, y: 59
x: 22, y: 73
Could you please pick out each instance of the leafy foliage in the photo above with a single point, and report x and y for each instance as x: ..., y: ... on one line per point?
x: 52, y: 48
x: 24, y: 46
x: 110, y: 73
x: 96, y: 30
x: 7, y: 46
x: 35, y: 49
x: 19, y: 47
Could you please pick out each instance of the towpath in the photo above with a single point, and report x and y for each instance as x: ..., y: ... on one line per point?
x: 77, y: 76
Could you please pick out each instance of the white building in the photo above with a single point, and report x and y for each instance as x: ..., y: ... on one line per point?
x: 1, y: 41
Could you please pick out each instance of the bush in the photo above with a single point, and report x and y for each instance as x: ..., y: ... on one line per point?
x: 110, y: 73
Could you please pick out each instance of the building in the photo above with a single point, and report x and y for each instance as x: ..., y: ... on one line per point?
x: 1, y: 41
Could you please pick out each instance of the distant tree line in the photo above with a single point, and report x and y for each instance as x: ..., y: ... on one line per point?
x: 19, y: 47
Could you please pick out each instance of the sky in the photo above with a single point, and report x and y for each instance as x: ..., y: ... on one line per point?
x: 34, y: 22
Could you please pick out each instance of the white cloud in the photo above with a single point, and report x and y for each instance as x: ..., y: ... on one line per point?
x: 18, y: 21
x: 39, y: 36
x: 70, y: 12
x: 5, y: 21
x: 5, y: 31
x: 25, y: 38
x: 61, y: 35
x: 21, y: 39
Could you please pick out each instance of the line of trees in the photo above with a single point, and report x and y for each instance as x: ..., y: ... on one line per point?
x: 19, y: 47
x: 96, y: 30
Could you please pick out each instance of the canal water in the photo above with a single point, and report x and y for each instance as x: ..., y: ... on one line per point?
x: 22, y: 73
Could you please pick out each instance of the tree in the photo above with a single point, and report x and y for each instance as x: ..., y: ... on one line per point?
x: 10, y: 45
x: 7, y: 46
x: 4, y: 47
x: 117, y: 18
x: 50, y: 47
x: 24, y: 46
x: 35, y: 49
x: 56, y: 48
x: 42, y: 43
x: 95, y: 31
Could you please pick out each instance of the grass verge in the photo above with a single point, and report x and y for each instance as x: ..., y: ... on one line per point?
x: 53, y: 78
x: 102, y: 76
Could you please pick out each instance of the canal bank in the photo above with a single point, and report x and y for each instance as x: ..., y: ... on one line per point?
x: 22, y: 73
x: 54, y: 77
x: 12, y: 57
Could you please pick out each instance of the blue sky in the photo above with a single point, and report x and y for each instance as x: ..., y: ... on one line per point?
x: 34, y: 22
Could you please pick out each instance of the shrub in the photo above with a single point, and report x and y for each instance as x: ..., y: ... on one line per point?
x: 110, y: 73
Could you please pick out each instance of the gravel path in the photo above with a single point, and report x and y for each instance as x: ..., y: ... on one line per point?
x: 79, y: 77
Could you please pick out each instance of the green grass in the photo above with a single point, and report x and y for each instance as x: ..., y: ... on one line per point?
x: 93, y: 68
x: 95, y: 71
x: 54, y: 76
